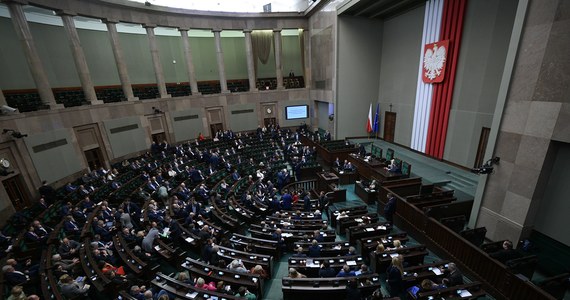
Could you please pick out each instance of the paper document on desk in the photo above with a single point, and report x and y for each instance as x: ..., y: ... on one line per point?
x: 392, y: 255
x: 359, y: 220
x: 369, y: 229
x: 286, y: 235
x: 465, y: 293
x: 189, y: 239
x: 436, y: 271
x: 192, y: 295
x: 351, y: 263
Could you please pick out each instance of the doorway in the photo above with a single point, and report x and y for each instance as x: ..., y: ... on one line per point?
x: 158, y: 138
x: 94, y: 158
x: 389, y: 126
x: 269, y: 121
x: 482, y: 147
x: 215, y: 128
x: 16, y: 192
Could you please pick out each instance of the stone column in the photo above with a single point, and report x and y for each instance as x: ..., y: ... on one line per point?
x: 156, y: 60
x: 189, y: 61
x: 32, y: 56
x: 79, y: 57
x: 2, y: 99
x: 250, y: 58
x: 119, y: 60
x: 220, y: 59
x: 307, y: 58
x: 278, y: 65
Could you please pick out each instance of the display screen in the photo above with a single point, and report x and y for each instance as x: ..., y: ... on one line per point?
x: 297, y: 112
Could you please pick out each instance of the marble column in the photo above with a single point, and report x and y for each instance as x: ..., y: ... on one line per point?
x: 157, y: 65
x: 2, y: 99
x: 220, y: 59
x: 250, y: 58
x: 307, y: 58
x: 189, y: 61
x: 33, y: 58
x: 119, y: 60
x: 278, y: 64
x: 79, y: 57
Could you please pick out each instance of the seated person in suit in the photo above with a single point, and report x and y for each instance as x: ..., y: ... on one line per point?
x: 14, y: 277
x: 314, y: 249
x: 68, y: 248
x: 428, y: 285
x: 326, y: 270
x: 393, y: 167
x: 294, y: 274
x: 70, y: 288
x: 361, y: 150
x: 348, y: 167
x: 345, y: 272
x: 454, y: 277
x: 336, y: 163
x: 505, y: 254
x: 299, y: 252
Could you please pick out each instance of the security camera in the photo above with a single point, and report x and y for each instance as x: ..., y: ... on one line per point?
x: 8, y: 109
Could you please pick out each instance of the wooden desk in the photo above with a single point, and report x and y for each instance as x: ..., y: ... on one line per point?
x: 415, y: 255
x: 333, y: 212
x: 367, y: 195
x: 253, y: 283
x: 365, y: 246
x: 345, y: 177
x: 325, y: 180
x: 310, y: 266
x: 355, y: 220
x: 372, y: 169
x: 358, y: 232
x: 323, y: 288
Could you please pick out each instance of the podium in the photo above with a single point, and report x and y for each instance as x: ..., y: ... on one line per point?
x: 329, y: 182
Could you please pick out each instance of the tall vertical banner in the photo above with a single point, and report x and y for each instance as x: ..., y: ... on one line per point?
x: 369, y: 121
x: 376, y: 126
x: 441, y: 41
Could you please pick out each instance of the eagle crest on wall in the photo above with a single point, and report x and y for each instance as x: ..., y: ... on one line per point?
x: 435, y: 58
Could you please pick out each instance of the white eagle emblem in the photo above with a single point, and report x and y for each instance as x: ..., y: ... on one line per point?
x: 434, y: 60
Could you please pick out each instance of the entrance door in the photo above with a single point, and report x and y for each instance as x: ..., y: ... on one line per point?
x: 215, y: 128
x: 482, y: 147
x: 16, y: 192
x: 158, y: 138
x: 269, y: 121
x: 94, y: 158
x: 389, y: 126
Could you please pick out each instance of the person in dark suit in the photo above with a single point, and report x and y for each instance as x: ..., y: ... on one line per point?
x: 345, y: 272
x: 307, y: 203
x: 71, y: 289
x: 454, y: 277
x: 361, y: 150
x: 314, y: 249
x: 286, y: 201
x: 277, y: 236
x: 390, y: 208
x: 318, y: 236
x: 68, y: 248
x: 326, y: 270
x: 14, y: 277
x: 70, y: 226
x: 352, y: 291
x: 505, y: 254
x: 394, y: 277
x: 32, y: 236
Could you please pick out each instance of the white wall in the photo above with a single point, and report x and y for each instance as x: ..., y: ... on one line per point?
x: 358, y: 73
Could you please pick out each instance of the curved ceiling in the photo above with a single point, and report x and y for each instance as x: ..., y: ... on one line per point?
x: 242, y: 6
